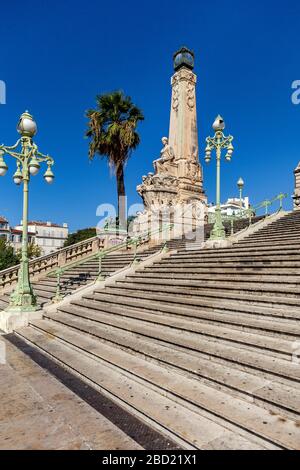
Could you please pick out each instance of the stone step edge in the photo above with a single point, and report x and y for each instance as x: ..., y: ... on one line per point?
x: 109, y: 280
x: 213, y: 381
x: 156, y: 422
x: 230, y: 306
x: 174, y: 342
x: 245, y: 296
x: 261, y: 326
x: 182, y: 398
x: 245, y: 341
x: 130, y: 408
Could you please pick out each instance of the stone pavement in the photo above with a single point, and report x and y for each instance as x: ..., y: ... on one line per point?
x: 38, y: 412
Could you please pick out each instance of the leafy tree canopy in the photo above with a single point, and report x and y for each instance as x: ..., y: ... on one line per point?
x: 34, y: 251
x: 7, y: 255
x: 80, y: 235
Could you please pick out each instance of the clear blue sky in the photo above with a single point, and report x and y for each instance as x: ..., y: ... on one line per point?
x: 56, y: 56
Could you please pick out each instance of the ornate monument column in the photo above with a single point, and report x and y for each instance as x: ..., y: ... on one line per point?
x: 296, y: 195
x: 177, y: 183
x: 183, y: 134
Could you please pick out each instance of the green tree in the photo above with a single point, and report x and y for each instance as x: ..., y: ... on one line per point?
x: 112, y: 131
x: 33, y: 251
x: 7, y: 256
x: 80, y: 235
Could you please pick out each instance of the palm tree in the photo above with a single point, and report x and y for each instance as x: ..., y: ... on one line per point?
x: 112, y: 132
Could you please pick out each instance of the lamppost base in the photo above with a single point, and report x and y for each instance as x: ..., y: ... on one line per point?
x: 22, y: 302
x: 57, y: 298
x: 21, y: 308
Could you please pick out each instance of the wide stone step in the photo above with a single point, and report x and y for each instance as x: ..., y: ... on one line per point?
x: 258, y: 323
x: 43, y: 289
x: 269, y: 243
x: 214, y: 279
x: 271, y: 394
x: 228, y: 263
x: 242, y: 356
x: 190, y: 287
x: 47, y: 281
x: 189, y: 257
x: 274, y: 236
x: 274, y: 346
x: 188, y: 395
x: 234, y: 253
x: 233, y: 270
x: 267, y: 284
x: 281, y: 227
x: 166, y: 293
x: 168, y: 304
x: 248, y: 260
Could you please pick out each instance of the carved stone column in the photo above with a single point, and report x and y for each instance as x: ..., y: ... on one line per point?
x: 183, y: 134
x: 177, y: 179
x: 296, y: 196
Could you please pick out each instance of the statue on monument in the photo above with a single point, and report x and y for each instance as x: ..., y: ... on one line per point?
x: 166, y: 155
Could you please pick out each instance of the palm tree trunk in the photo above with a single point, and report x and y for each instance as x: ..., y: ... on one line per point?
x: 121, y: 216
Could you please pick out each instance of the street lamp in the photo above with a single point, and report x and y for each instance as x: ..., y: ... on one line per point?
x: 218, y: 142
x: 28, y: 164
x: 240, y: 185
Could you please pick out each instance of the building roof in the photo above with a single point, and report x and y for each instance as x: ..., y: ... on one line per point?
x: 3, y: 220
x: 19, y: 232
x: 39, y: 223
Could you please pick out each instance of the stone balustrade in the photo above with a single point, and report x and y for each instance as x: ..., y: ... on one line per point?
x: 40, y: 266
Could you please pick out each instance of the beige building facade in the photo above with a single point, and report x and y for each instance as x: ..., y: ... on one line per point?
x: 48, y: 236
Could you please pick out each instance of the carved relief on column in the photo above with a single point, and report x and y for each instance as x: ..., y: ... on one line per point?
x: 191, y: 95
x: 183, y: 136
x: 175, y: 94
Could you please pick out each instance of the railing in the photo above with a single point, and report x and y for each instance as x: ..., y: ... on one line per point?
x: 44, y: 264
x: 133, y: 243
x: 251, y: 212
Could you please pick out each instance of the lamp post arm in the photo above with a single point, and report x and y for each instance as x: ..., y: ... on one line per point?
x: 211, y: 141
x: 7, y: 148
x: 219, y: 140
x: 44, y: 158
x: 226, y: 141
x: 16, y: 155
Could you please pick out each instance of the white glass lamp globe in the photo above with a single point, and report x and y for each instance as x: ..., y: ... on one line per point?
x: 34, y: 166
x: 27, y: 125
x: 18, y: 177
x: 219, y: 124
x: 3, y: 166
x: 17, y: 180
x: 49, y: 176
x: 240, y: 183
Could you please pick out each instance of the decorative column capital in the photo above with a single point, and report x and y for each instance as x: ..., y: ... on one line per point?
x: 183, y: 74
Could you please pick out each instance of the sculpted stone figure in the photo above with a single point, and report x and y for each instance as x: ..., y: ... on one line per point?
x: 166, y: 155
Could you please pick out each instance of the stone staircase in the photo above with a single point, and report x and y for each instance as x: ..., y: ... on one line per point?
x: 202, y: 345
x: 87, y: 271
x: 80, y: 275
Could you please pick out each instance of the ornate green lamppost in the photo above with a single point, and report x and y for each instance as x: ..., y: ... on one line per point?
x: 28, y: 164
x: 240, y: 185
x: 218, y: 142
